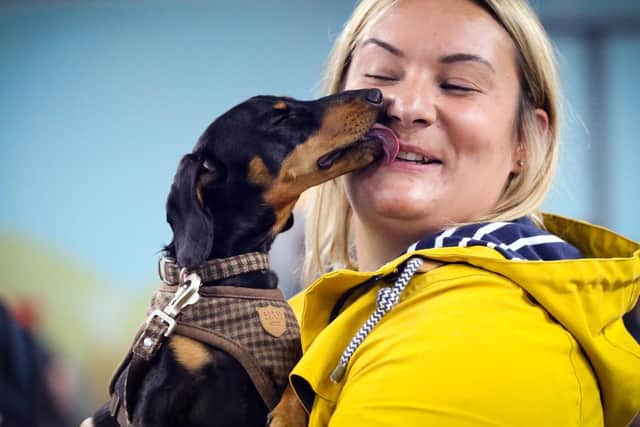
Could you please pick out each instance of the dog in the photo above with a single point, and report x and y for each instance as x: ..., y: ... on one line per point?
x: 230, y: 198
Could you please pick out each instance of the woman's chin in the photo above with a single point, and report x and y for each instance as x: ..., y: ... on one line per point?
x: 402, y: 200
x: 394, y: 210
x: 393, y: 201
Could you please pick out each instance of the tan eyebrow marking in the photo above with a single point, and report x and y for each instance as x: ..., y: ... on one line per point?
x: 280, y: 105
x: 258, y: 172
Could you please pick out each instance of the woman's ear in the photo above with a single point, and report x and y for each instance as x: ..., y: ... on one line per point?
x: 542, y: 118
x: 520, y: 154
x: 191, y: 222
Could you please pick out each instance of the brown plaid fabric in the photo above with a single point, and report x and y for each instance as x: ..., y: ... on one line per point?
x: 232, y: 322
x: 216, y: 268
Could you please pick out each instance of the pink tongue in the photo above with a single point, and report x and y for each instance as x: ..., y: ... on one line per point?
x: 390, y: 142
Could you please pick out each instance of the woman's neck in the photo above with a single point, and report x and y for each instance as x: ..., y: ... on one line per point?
x: 375, y: 247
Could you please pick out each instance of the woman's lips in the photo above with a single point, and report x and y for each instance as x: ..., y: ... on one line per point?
x: 392, y: 147
x: 418, y: 155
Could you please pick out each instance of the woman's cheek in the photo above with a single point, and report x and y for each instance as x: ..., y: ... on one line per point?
x: 468, y: 127
x: 362, y: 190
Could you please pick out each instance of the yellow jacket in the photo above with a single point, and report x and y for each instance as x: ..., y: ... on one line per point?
x: 481, y: 340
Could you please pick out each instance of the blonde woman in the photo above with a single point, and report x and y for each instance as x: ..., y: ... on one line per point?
x: 447, y: 299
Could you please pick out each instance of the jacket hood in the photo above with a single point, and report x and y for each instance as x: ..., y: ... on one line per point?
x: 515, y: 240
x: 588, y: 296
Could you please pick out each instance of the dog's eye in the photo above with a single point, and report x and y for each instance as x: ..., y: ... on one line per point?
x: 216, y: 172
x: 281, y: 119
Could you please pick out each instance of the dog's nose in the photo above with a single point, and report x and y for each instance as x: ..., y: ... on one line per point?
x: 374, y: 96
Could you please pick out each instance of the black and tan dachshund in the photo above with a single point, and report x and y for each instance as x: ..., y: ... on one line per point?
x: 232, y: 195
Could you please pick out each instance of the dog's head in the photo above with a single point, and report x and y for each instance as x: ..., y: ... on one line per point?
x: 238, y: 187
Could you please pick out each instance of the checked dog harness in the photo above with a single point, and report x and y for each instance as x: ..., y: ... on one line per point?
x: 255, y: 326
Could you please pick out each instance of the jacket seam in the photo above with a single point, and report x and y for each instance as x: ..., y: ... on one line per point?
x: 572, y: 352
x: 614, y: 345
x: 477, y: 271
x: 633, y: 295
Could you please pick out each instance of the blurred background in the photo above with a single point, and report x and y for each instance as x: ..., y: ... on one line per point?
x: 100, y: 98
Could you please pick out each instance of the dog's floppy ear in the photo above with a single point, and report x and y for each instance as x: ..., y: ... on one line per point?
x: 191, y: 222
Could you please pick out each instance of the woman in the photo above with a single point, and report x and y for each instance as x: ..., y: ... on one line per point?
x: 511, y: 318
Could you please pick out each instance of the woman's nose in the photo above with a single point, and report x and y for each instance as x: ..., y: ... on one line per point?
x: 410, y: 106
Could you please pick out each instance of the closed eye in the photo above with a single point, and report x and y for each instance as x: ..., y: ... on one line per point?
x: 457, y: 88
x: 380, y: 77
x: 281, y: 119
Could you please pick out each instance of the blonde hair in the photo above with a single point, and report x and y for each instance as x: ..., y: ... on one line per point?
x: 328, y: 232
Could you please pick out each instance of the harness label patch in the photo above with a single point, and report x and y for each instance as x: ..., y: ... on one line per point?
x: 272, y: 320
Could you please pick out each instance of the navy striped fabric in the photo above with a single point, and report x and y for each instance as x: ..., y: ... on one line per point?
x: 518, y: 240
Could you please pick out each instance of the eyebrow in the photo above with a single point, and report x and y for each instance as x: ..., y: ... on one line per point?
x: 462, y: 57
x: 445, y: 59
x: 386, y: 46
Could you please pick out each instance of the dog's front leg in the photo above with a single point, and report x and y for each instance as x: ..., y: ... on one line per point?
x: 288, y: 412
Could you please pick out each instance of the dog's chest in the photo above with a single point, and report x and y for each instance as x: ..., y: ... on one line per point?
x: 260, y: 322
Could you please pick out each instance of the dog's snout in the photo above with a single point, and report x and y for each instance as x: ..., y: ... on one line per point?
x: 374, y: 96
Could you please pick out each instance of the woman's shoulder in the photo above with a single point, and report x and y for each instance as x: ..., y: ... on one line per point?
x: 465, y: 350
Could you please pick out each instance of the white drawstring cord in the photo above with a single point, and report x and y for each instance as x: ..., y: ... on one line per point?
x: 386, y: 299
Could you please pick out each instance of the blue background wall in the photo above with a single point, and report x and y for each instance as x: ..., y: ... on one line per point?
x: 99, y: 99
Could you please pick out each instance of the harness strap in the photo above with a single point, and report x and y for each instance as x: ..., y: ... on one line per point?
x: 266, y: 388
x: 131, y: 376
x: 134, y: 369
x: 153, y: 333
x: 117, y: 385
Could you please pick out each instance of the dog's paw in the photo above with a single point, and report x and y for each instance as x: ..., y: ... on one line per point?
x: 289, y: 412
x: 87, y: 423
x: 298, y: 419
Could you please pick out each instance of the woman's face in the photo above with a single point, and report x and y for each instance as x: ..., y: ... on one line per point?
x: 449, y: 74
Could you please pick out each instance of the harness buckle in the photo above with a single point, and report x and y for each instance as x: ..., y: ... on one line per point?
x: 162, y: 266
x: 186, y: 294
x: 167, y: 319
